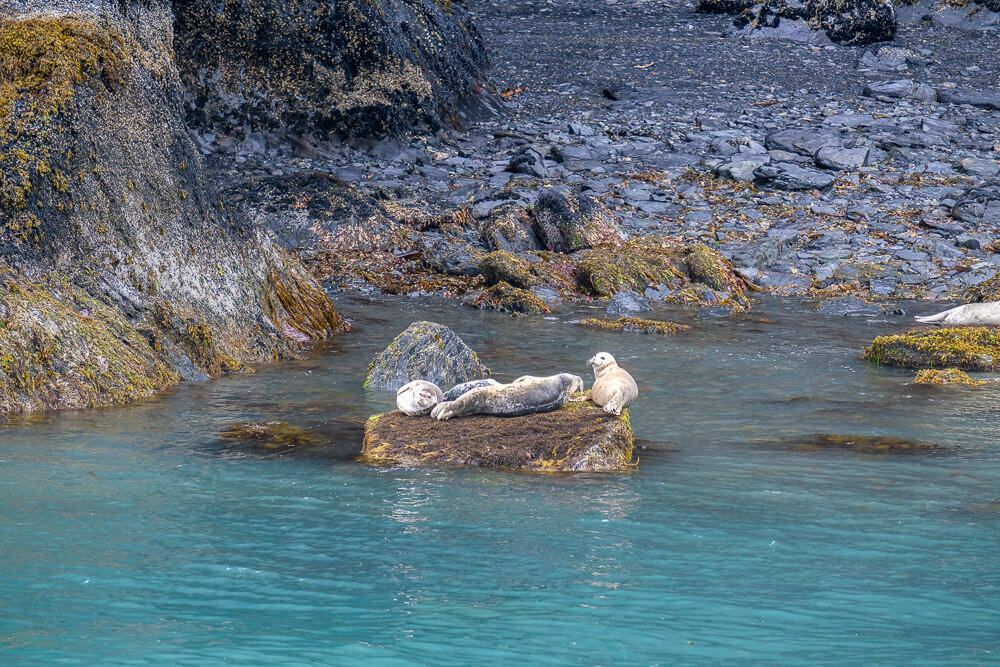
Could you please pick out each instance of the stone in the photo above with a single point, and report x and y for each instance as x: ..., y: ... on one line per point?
x: 977, y: 98
x: 566, y: 221
x: 965, y: 348
x: 839, y: 158
x: 580, y: 437
x: 424, y: 351
x: 945, y: 376
x: 742, y: 168
x: 803, y: 142
x: 980, y: 167
x: 636, y: 325
x: 899, y: 89
x: 528, y: 161
x: 505, y: 298
x: 789, y: 176
x: 627, y: 302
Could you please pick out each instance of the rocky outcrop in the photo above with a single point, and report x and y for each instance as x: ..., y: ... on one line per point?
x: 260, y: 71
x: 964, y: 348
x: 843, y: 21
x: 580, y: 437
x: 424, y: 351
x: 108, y: 221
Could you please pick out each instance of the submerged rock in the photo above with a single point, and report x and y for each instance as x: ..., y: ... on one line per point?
x: 626, y: 302
x: 945, y: 376
x: 424, y: 351
x: 965, y: 348
x: 635, y: 325
x: 862, y: 444
x: 580, y: 437
x: 272, y: 436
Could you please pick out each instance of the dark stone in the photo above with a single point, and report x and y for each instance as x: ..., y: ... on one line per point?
x: 976, y: 98
x: 567, y: 222
x: 528, y: 161
x: 424, y: 351
x: 788, y: 176
x: 627, y: 302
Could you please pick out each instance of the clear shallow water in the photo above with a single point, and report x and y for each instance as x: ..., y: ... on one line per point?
x: 131, y: 537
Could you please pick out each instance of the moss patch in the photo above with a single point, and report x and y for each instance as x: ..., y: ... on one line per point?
x: 933, y: 376
x: 965, y: 348
x: 635, y: 325
x: 635, y: 264
x: 580, y: 437
x: 506, y: 298
x: 502, y: 266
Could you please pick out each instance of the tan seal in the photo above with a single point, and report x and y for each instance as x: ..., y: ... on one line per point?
x: 614, y: 389
x: 524, y: 396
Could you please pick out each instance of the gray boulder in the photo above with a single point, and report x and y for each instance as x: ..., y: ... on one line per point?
x: 789, y: 176
x: 839, y: 158
x: 627, y: 302
x: 424, y: 351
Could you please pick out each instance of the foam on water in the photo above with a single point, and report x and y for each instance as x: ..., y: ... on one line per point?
x: 131, y: 537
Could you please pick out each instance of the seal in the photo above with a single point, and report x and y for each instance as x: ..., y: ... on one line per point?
x: 981, y: 314
x: 466, y: 387
x: 524, y: 396
x: 614, y: 389
x: 418, y: 398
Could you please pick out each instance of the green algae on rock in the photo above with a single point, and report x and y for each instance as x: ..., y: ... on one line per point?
x: 635, y: 325
x: 580, y: 437
x: 505, y: 298
x: 964, y: 348
x: 502, y: 266
x: 424, y: 351
x: 945, y: 376
x: 861, y: 444
x: 273, y: 436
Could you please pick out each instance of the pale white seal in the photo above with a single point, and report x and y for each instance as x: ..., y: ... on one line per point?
x: 979, y: 314
x: 524, y: 396
x: 614, y: 389
x: 418, y: 398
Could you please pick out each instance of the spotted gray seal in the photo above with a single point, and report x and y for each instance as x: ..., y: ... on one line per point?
x: 418, y: 398
x: 981, y: 314
x: 524, y: 396
x: 466, y: 387
x: 614, y: 389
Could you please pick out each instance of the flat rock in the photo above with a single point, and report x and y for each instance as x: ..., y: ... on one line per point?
x: 839, y: 158
x: 581, y: 437
x: 977, y: 98
x: 789, y: 176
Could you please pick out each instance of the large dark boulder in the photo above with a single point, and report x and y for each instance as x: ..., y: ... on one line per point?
x: 843, y: 21
x: 259, y: 70
x: 108, y: 219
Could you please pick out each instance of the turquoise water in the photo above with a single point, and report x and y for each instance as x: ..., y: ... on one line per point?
x: 133, y: 537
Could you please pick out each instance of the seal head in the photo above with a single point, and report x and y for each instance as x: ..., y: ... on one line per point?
x: 418, y: 398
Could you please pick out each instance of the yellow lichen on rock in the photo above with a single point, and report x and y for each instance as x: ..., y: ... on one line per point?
x: 945, y: 376
x: 965, y: 348
x: 635, y: 325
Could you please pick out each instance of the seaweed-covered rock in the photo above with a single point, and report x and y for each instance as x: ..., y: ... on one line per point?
x: 566, y: 222
x: 261, y: 69
x: 635, y: 325
x: 869, y: 445
x: 843, y: 21
x: 985, y: 292
x: 424, y: 351
x: 509, y: 227
x: 506, y: 298
x: 502, y: 266
x: 945, y: 376
x: 271, y: 436
x: 965, y: 348
x: 580, y: 437
x: 104, y: 195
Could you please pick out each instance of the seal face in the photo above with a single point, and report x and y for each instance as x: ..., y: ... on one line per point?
x: 614, y: 388
x: 418, y: 398
x: 981, y: 314
x: 524, y: 396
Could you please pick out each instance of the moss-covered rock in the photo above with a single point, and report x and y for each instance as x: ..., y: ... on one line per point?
x: 581, y: 437
x: 635, y: 325
x: 950, y: 376
x: 424, y: 351
x: 506, y: 298
x: 509, y: 227
x: 566, y: 222
x: 861, y: 444
x: 502, y: 266
x: 985, y: 292
x: 964, y: 348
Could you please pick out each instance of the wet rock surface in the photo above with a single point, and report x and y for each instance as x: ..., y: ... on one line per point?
x: 580, y: 437
x: 424, y: 351
x: 963, y: 348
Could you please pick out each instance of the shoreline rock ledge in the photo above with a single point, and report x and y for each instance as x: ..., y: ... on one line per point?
x: 580, y: 437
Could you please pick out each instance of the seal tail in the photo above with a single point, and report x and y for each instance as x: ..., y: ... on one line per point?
x: 938, y: 318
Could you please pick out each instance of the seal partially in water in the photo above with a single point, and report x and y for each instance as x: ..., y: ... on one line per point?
x: 614, y: 389
x: 981, y: 314
x: 418, y: 398
x: 524, y: 396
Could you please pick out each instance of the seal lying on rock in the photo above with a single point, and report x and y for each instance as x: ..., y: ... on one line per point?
x: 614, y: 389
x: 524, y: 396
x: 418, y: 398
x: 977, y: 314
x: 466, y: 387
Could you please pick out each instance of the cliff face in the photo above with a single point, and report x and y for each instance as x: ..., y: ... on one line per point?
x: 260, y: 69
x: 121, y: 269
